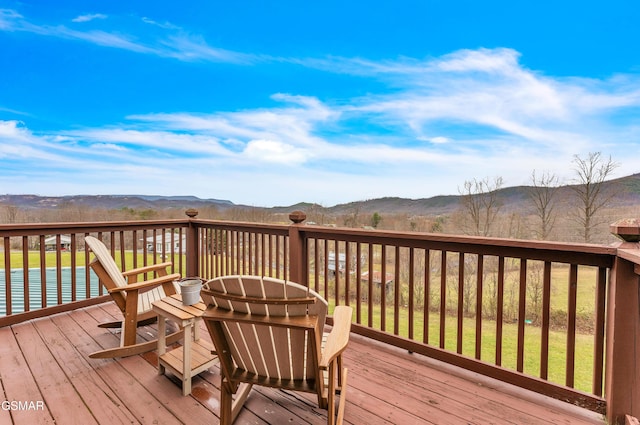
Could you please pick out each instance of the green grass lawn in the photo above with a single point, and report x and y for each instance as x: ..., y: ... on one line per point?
x: 557, y: 344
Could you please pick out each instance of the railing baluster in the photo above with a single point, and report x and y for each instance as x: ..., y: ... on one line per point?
x: 181, y: 251
x: 460, y: 328
x: 7, y: 276
x: 396, y: 292
x: 270, y: 254
x: 347, y: 273
x: 285, y: 258
x: 479, y: 297
x: 383, y: 289
x: 145, y: 261
x: 522, y: 302
x: 358, y: 283
x: 25, y: 272
x: 427, y: 295
x: 412, y: 265
x: 155, y: 247
x: 546, y: 310
x: 370, y: 292
x: 316, y: 269
x: 122, y: 256
x: 43, y: 273
x: 571, y: 325
x: 443, y: 296
x: 336, y: 272
x: 135, y: 248
x: 276, y: 254
x: 326, y: 269
x: 100, y: 289
x: 74, y: 264
x: 598, y: 348
x: 87, y: 273
x: 499, y: 310
x: 242, y: 258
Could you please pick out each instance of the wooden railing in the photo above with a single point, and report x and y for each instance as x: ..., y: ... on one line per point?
x: 45, y: 267
x: 463, y: 300
x: 542, y: 316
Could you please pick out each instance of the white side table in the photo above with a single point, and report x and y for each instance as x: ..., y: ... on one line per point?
x: 195, y: 355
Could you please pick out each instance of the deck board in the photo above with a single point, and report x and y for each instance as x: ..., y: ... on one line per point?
x: 47, y: 359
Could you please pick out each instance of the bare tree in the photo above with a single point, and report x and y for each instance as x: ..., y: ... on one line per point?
x: 480, y: 203
x: 591, y: 173
x: 542, y: 193
x: 352, y: 219
x: 11, y: 213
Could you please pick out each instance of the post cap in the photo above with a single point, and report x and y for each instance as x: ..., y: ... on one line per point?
x: 297, y: 217
x: 627, y: 229
x: 191, y: 212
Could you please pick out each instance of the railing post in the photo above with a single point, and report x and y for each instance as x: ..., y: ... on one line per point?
x: 298, y: 250
x: 193, y: 257
x: 622, y: 371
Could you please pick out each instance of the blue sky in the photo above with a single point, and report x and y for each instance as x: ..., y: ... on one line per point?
x: 273, y: 103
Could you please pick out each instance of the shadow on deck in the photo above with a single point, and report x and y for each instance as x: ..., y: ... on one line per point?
x: 46, y: 362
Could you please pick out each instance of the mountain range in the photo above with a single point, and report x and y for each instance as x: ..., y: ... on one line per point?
x: 515, y: 199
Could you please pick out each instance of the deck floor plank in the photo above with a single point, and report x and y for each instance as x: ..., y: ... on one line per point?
x: 59, y: 393
x: 386, y: 385
x: 140, y: 400
x: 443, y: 392
x: 86, y: 379
x: 19, y: 383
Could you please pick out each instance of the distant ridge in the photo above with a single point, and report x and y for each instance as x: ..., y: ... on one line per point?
x: 113, y: 202
x: 512, y: 199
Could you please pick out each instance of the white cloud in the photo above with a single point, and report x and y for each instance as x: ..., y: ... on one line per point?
x: 439, y: 140
x: 275, y: 151
x: 165, y: 25
x: 195, y: 48
x: 89, y: 17
x: 182, y: 47
x: 8, y: 18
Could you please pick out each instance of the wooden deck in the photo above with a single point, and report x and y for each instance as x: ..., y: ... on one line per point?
x: 46, y: 362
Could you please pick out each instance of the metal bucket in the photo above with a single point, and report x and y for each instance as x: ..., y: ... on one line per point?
x: 190, y: 290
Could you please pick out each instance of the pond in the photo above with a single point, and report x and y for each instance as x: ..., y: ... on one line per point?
x: 51, y: 288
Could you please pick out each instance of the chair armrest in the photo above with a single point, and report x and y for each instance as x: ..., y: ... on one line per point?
x: 147, y: 284
x: 338, y: 337
x: 146, y: 269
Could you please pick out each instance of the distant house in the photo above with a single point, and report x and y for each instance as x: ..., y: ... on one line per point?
x: 170, y: 240
x: 377, y: 279
x: 331, y: 263
x: 51, y: 242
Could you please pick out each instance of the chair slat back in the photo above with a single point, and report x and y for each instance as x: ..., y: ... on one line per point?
x: 106, y: 260
x: 287, y: 353
x: 111, y: 277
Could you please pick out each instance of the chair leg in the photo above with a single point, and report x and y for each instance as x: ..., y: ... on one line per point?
x: 336, y: 368
x: 241, y: 397
x: 226, y: 401
x: 343, y: 396
x: 339, y: 387
x: 132, y: 350
x: 118, y: 324
x: 331, y: 402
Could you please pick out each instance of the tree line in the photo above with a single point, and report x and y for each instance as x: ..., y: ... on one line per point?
x: 480, y: 210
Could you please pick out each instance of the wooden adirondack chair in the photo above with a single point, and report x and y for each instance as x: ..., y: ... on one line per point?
x: 132, y: 297
x: 269, y: 332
